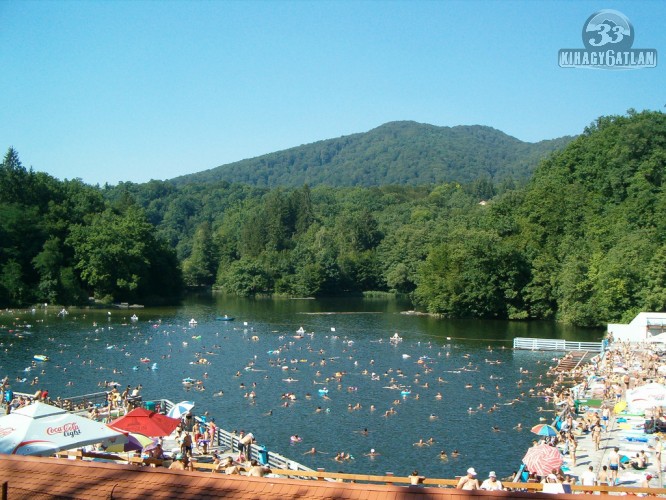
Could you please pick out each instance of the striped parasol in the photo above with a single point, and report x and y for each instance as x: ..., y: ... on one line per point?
x: 542, y: 459
x: 544, y: 430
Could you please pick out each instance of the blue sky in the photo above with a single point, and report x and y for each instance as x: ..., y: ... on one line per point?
x: 137, y: 90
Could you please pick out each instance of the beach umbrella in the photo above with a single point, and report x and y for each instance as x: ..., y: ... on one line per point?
x: 132, y: 442
x: 148, y: 423
x: 180, y: 409
x: 542, y: 459
x: 544, y: 430
x: 42, y: 429
x: 152, y: 445
x: 619, y: 406
x: 646, y: 396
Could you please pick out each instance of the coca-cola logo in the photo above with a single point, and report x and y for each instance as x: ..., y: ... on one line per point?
x: 6, y: 431
x: 69, y: 429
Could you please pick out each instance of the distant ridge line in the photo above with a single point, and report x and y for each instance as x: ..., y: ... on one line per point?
x: 398, y: 153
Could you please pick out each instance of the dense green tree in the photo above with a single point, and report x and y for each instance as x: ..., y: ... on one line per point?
x: 48, y: 264
x: 253, y: 233
x: 244, y: 277
x: 200, y: 267
x: 359, y: 231
x: 301, y: 205
x: 279, y: 221
x: 13, y: 285
x: 14, y: 178
x: 473, y: 274
x: 653, y: 295
x: 112, y: 253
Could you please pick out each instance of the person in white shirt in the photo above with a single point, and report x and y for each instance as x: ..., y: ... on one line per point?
x: 588, y: 478
x: 492, y: 483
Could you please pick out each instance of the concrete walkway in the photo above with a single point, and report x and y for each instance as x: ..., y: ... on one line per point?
x: 586, y: 454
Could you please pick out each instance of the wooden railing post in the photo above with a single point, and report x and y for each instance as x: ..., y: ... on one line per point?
x: 389, y: 474
x: 320, y: 477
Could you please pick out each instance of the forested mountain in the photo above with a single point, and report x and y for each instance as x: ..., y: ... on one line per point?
x: 583, y: 241
x: 403, y: 153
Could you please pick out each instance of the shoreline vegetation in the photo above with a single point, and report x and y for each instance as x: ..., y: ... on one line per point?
x: 582, y: 242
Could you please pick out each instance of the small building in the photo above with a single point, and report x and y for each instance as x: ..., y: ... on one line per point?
x: 641, y: 329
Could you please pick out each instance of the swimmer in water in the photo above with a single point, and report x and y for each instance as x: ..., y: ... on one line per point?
x: 443, y: 455
x: 372, y: 453
x: 314, y: 451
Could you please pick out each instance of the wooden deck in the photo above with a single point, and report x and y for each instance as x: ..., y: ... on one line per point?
x: 320, y: 475
x: 573, y: 360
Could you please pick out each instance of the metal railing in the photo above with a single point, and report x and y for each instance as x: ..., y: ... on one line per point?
x: 534, y: 344
x: 229, y: 441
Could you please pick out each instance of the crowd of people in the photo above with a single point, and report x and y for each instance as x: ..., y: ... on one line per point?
x: 607, y: 377
x: 617, y: 370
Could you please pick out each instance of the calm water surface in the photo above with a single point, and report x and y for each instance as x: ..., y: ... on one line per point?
x: 348, y: 337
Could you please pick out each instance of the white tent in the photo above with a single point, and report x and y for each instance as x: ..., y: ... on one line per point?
x: 646, y: 396
x: 41, y: 429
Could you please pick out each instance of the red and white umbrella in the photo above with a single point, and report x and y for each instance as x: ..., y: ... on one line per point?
x: 542, y: 459
x: 42, y: 429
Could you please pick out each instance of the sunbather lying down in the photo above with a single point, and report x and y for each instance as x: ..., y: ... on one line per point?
x: 639, y: 462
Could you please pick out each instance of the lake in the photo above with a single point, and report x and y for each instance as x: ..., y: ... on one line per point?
x: 443, y: 367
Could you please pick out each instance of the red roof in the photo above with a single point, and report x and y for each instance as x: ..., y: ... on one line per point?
x: 53, y: 478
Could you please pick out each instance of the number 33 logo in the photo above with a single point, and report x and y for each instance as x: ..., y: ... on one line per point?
x: 608, y: 28
x: 607, y: 34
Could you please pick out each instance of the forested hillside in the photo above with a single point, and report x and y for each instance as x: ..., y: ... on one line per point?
x: 402, y: 153
x: 584, y: 241
x: 60, y: 242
